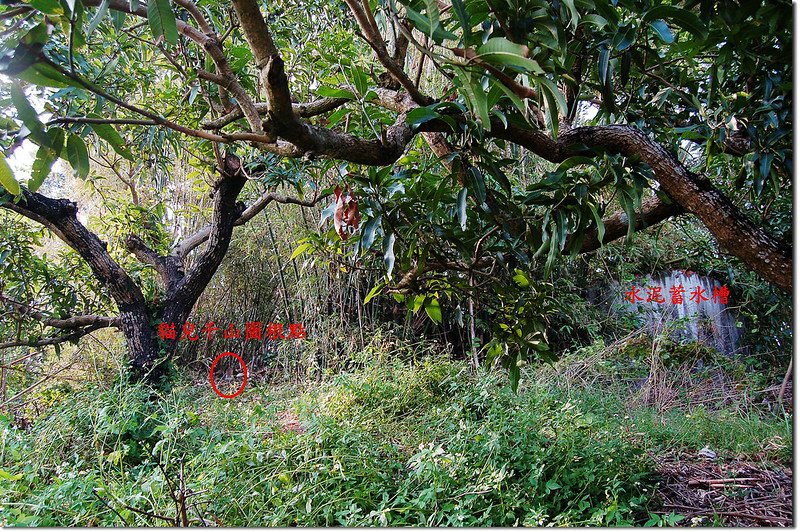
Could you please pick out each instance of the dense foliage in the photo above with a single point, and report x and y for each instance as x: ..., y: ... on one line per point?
x: 397, y: 443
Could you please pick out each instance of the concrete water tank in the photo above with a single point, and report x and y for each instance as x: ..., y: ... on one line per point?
x: 705, y: 310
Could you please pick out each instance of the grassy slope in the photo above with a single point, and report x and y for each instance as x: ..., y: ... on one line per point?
x: 428, y: 444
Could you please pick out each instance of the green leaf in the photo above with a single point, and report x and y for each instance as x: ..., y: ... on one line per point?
x: 764, y: 164
x: 76, y: 30
x: 27, y: 114
x: 49, y: 7
x: 359, y: 79
x: 41, y: 167
x: 302, y: 248
x: 625, y: 68
x: 78, y: 156
x: 630, y: 211
x: 513, y: 377
x: 162, y: 20
x: 334, y: 92
x: 477, y: 183
x: 674, y: 518
x: 602, y: 63
x: 118, y: 19
x: 518, y: 103
x: 430, y: 24
x: 595, y: 20
x: 98, y: 17
x: 433, y: 310
x: 37, y: 35
x: 683, y: 18
x: 45, y: 75
x: 501, y: 51
x: 415, y: 303
x: 573, y: 13
x: 575, y: 160
x: 8, y: 476
x: 475, y: 95
x: 663, y: 31
x: 45, y: 157
x: 601, y: 227
x: 376, y: 290
x: 556, y: 104
x: 551, y: 254
x: 420, y: 115
x: 604, y: 74
x: 388, y: 255
x: 624, y: 38
x: 7, y: 180
x: 461, y: 202
x: 552, y: 485
x: 463, y: 18
x: 108, y: 133
x: 368, y: 234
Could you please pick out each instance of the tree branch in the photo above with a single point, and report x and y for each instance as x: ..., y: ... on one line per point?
x: 259, y: 205
x: 198, y: 17
x: 93, y: 120
x: 187, y: 290
x: 654, y: 211
x: 169, y: 268
x: 60, y: 216
x: 72, y: 322
x: 211, y: 44
x: 375, y: 41
x: 256, y: 32
x: 303, y: 110
x: 322, y: 141
x: 71, y: 337
x: 734, y: 232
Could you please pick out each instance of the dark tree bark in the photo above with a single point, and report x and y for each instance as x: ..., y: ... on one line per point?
x: 59, y: 216
x: 137, y: 320
x: 696, y: 194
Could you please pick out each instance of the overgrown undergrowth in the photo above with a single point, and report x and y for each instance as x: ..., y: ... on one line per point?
x: 428, y: 443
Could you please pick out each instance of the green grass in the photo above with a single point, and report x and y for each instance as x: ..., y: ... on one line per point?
x: 393, y: 444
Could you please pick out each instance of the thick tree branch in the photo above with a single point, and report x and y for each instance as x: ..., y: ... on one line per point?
x: 317, y: 141
x: 653, y: 212
x: 734, y: 231
x: 60, y: 216
x: 256, y: 32
x: 365, y: 20
x: 169, y: 268
x: 187, y: 290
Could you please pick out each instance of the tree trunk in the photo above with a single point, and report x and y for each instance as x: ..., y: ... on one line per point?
x: 146, y: 357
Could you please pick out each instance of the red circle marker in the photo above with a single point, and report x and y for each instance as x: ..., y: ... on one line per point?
x: 211, y: 374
